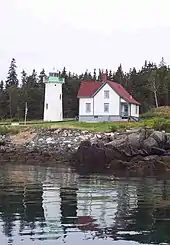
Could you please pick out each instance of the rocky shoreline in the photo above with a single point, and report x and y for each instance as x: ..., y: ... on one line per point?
x: 44, y: 145
x: 136, y: 152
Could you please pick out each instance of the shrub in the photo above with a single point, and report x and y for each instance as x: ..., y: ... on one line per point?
x: 6, y: 129
x: 148, y: 115
x: 113, y: 128
x: 162, y: 124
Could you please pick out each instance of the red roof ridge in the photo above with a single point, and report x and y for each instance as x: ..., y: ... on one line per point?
x: 90, y: 88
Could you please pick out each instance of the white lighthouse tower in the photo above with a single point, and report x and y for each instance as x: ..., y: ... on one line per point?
x: 53, y: 108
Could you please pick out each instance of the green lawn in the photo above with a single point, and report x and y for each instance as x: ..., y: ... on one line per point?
x: 98, y: 127
x: 156, y: 123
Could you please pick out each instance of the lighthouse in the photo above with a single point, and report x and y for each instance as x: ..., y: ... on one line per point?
x: 53, y: 108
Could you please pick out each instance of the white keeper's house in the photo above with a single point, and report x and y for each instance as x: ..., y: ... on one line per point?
x: 106, y: 101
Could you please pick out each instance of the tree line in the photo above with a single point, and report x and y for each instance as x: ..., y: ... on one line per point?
x: 150, y: 86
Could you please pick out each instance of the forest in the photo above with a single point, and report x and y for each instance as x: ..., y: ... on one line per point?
x: 150, y: 86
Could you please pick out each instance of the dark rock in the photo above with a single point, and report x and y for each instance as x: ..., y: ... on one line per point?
x: 117, y: 165
x: 91, y: 158
x: 167, y: 143
x: 160, y: 137
x: 149, y: 143
x: 98, y: 145
x: 134, y: 140
x: 157, y: 151
x: 85, y: 143
x: 113, y: 153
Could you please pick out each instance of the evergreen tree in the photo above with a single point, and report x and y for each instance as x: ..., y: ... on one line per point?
x: 100, y: 75
x: 23, y: 78
x: 12, y: 79
x: 42, y: 75
x: 110, y: 76
x: 85, y: 77
x: 34, y: 77
x: 94, y: 75
x: 119, y: 75
x: 64, y: 73
x: 1, y: 85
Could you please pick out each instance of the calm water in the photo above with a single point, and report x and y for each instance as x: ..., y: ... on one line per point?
x: 47, y: 205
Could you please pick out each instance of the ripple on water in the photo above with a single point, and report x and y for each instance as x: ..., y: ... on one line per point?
x: 45, y: 205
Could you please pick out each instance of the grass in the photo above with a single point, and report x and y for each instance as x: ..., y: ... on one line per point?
x: 158, y: 122
x: 98, y: 127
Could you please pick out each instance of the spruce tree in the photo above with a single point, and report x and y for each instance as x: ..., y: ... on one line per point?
x: 119, y: 75
x: 94, y: 75
x: 1, y: 85
x: 64, y: 73
x: 41, y: 76
x: 23, y: 78
x: 12, y: 79
x: 110, y: 76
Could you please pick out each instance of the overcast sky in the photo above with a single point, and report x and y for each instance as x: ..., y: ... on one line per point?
x: 83, y: 34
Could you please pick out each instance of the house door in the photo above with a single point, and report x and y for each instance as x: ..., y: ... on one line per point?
x: 124, y: 110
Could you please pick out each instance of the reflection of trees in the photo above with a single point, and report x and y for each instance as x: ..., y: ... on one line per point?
x: 10, y: 205
x: 140, y: 219
x: 22, y: 201
x: 68, y: 207
x: 104, y: 208
x: 123, y: 199
x: 149, y: 221
x: 33, y: 205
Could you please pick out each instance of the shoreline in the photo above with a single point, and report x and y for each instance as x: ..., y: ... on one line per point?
x: 136, y: 152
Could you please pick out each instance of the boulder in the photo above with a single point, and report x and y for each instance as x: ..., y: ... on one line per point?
x: 157, y: 151
x: 160, y: 137
x: 167, y: 143
x: 134, y: 140
x: 149, y: 143
x: 117, y: 165
x: 113, y: 153
x: 90, y: 157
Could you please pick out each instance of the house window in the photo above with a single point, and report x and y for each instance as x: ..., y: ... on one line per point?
x: 46, y: 106
x: 106, y: 94
x: 106, y: 107
x: 88, y: 107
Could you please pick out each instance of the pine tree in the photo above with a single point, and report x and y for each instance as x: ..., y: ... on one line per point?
x: 23, y: 78
x: 1, y: 85
x: 34, y: 77
x: 64, y: 73
x: 42, y: 76
x: 85, y: 75
x: 119, y: 75
x: 94, y: 75
x: 12, y: 79
x: 100, y: 75
x: 110, y: 76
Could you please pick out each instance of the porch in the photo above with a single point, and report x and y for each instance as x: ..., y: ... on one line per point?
x: 124, y: 110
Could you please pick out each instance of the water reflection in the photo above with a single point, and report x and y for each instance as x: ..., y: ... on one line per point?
x: 43, y: 204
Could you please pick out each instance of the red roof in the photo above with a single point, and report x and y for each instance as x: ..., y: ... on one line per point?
x: 89, y: 88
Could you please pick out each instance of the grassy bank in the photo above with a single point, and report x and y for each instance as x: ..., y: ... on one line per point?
x: 156, y: 123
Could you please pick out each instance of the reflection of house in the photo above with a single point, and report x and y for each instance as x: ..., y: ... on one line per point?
x: 106, y: 101
x: 97, y: 205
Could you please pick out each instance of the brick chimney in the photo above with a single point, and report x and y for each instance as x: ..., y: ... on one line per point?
x: 104, y: 77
